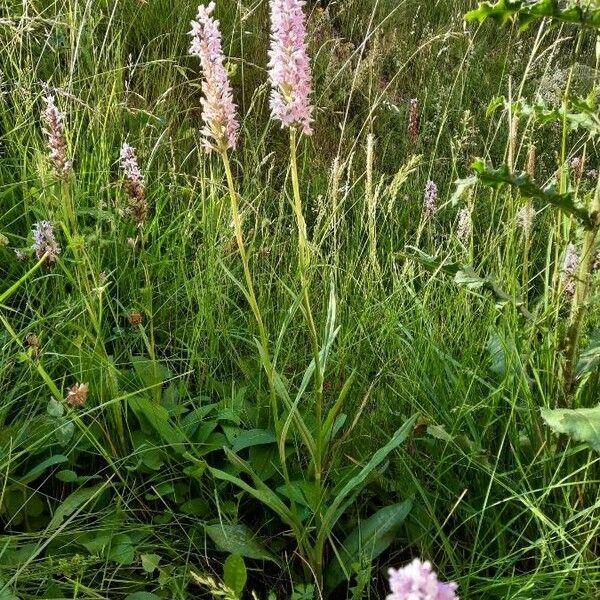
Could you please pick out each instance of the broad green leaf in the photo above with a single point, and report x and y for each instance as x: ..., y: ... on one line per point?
x: 238, y: 539
x: 589, y: 359
x: 151, y: 373
x: 55, y: 409
x: 582, y: 424
x: 370, y: 539
x: 122, y: 552
x: 42, y: 467
x: 234, y: 574
x: 253, y: 437
x: 356, y: 483
x: 73, y: 502
x: 158, y: 417
x: 150, y: 562
x: 142, y: 596
x: 261, y: 492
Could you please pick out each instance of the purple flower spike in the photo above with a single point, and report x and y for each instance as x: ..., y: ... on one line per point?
x: 289, y: 66
x: 44, y: 242
x: 221, y: 127
x: 430, y: 199
x: 570, y: 268
x: 418, y: 581
x: 54, y: 128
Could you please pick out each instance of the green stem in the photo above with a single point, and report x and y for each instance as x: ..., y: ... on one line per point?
x: 304, y: 263
x: 579, y: 306
x: 251, y: 295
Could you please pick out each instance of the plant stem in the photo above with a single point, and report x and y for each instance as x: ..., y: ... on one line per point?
x: 303, y: 265
x: 251, y: 295
x: 579, y: 306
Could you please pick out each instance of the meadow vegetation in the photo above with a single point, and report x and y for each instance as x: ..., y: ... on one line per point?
x: 277, y: 369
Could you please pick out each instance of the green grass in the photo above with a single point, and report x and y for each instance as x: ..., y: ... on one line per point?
x: 500, y: 505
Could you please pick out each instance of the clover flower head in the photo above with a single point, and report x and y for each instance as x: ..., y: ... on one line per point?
x: 289, y: 66
x: 221, y: 127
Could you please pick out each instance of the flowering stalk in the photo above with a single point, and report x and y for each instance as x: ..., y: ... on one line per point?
x: 54, y: 128
x: 220, y: 133
x: 44, y: 242
x: 583, y: 288
x: 221, y: 127
x: 430, y: 200
x: 134, y: 184
x: 289, y: 66
x: 525, y: 219
x: 291, y: 83
x: 413, y: 121
x: 418, y: 581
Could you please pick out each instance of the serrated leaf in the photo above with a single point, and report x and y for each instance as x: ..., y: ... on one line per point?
x: 495, y: 178
x: 234, y: 574
x: 581, y: 424
x: 527, y: 11
x: 466, y: 276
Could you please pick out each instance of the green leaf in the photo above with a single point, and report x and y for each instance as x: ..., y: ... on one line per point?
x: 582, y: 424
x: 55, y: 409
x: 466, y: 276
x: 238, y: 539
x: 42, y: 467
x: 67, y: 475
x: 123, y: 552
x: 158, y: 417
x: 253, y: 437
x: 151, y: 373
x: 355, y: 485
x: 73, y: 502
x: 262, y: 492
x: 142, y: 596
x: 369, y: 540
x: 589, y: 359
x: 495, y: 178
x: 150, y: 562
x: 234, y: 574
x: 527, y: 11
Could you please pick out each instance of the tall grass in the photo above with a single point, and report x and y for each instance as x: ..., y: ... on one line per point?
x: 92, y: 497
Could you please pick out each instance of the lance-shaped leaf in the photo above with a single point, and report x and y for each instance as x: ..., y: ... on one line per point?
x: 495, y: 178
x: 466, y: 276
x: 526, y: 11
x: 582, y: 424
